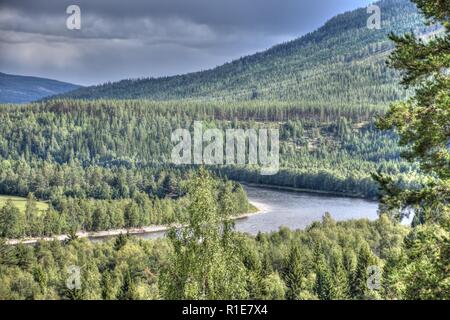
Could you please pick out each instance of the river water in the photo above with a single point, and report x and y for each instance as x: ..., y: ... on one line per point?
x: 295, y: 210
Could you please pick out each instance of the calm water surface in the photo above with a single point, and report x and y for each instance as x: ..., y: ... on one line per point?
x: 295, y: 210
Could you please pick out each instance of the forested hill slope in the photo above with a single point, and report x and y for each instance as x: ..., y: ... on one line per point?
x: 343, y: 62
x: 22, y: 89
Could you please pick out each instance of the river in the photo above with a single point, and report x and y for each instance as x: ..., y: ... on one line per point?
x: 295, y: 210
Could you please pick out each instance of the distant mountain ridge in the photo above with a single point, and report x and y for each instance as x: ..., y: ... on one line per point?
x: 23, y: 89
x: 341, y: 62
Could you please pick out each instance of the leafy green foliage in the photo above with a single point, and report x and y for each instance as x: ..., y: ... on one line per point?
x: 322, y: 148
x: 279, y: 265
x: 421, y: 269
x: 104, y: 164
x: 96, y: 198
x: 205, y: 264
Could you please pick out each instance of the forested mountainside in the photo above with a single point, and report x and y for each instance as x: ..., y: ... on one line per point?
x: 342, y: 62
x: 97, y: 165
x: 22, y: 89
x: 330, y: 149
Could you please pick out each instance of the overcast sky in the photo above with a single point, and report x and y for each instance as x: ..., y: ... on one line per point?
x: 122, y: 39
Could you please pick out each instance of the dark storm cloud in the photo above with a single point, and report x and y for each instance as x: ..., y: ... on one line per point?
x: 122, y: 39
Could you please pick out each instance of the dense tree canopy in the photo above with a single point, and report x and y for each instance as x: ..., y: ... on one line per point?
x: 423, y: 123
x: 340, y: 63
x: 105, y: 164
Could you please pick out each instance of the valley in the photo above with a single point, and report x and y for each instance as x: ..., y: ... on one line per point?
x: 88, y: 180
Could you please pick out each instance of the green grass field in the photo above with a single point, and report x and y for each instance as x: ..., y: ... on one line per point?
x: 21, y: 202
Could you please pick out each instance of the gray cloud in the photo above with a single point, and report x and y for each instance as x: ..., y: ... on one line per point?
x: 125, y: 39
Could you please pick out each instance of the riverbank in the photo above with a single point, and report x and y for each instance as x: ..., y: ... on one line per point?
x: 311, y: 191
x: 257, y: 209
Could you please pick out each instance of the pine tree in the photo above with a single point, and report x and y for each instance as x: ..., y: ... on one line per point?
x: 107, y: 286
x: 358, y: 286
x: 423, y: 124
x: 294, y: 271
x: 340, y: 281
x: 127, y: 290
x: 423, y: 121
x: 12, y: 221
x: 7, y: 254
x: 30, y: 212
x: 132, y: 215
x: 324, y: 283
x: 120, y: 241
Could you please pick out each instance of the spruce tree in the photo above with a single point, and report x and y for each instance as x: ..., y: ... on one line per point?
x: 294, y: 272
x: 359, y: 284
x: 323, y: 288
